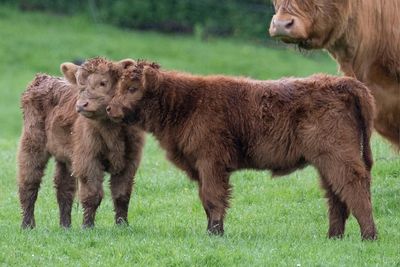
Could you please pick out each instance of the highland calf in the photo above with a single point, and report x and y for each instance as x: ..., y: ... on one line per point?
x: 84, y: 146
x: 211, y: 126
x: 363, y: 37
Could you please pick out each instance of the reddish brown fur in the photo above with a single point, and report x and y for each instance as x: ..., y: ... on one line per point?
x: 211, y: 126
x: 362, y: 35
x: 82, y: 147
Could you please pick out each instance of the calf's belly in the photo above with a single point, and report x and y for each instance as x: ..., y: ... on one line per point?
x: 59, y: 146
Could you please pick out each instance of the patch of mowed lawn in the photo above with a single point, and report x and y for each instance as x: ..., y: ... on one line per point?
x: 271, y: 222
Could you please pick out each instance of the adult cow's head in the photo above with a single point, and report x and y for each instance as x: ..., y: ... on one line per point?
x: 311, y: 24
x: 96, y: 80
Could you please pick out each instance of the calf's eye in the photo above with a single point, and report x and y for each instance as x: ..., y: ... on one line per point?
x: 102, y: 83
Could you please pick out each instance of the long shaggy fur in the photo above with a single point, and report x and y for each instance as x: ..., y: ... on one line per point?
x: 82, y: 148
x: 363, y: 37
x: 211, y: 126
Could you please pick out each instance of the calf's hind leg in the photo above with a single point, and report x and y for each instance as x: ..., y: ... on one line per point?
x: 65, y: 185
x: 338, y: 212
x: 32, y: 160
x: 214, y: 194
x: 350, y: 181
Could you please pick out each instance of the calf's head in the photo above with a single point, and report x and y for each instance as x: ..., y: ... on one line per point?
x: 134, y: 83
x: 311, y: 24
x: 95, y: 80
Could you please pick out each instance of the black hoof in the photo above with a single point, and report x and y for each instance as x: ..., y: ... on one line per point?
x: 29, y: 224
x: 216, y: 228
x: 88, y: 226
x: 121, y: 221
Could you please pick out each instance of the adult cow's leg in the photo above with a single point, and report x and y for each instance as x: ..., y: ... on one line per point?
x: 32, y: 160
x: 387, y: 115
x: 338, y: 212
x: 65, y: 185
x: 214, y: 194
x: 350, y: 180
x: 388, y: 127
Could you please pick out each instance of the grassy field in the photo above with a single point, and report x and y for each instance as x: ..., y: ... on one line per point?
x: 280, y: 222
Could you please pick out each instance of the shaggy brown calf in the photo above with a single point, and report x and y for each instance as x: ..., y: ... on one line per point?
x: 83, y: 146
x: 364, y: 38
x: 212, y: 126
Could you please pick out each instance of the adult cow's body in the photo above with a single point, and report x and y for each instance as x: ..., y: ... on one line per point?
x: 364, y: 38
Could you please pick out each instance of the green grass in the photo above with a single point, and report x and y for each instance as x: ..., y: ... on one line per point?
x: 271, y: 222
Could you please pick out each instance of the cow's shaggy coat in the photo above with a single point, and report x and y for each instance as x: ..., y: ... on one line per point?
x: 83, y: 147
x: 362, y: 35
x: 212, y: 126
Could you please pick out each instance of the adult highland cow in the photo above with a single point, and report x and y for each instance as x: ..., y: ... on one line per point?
x: 211, y: 126
x: 362, y: 35
x: 83, y: 146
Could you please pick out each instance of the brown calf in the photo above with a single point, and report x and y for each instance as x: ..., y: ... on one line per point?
x: 212, y: 126
x: 83, y: 146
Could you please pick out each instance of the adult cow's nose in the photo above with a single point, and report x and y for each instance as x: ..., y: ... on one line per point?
x: 281, y: 27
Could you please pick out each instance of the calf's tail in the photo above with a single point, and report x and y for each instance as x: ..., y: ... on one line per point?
x: 365, y: 110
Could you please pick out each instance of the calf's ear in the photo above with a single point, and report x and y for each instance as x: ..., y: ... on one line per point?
x: 69, y: 71
x: 125, y: 63
x: 151, y: 78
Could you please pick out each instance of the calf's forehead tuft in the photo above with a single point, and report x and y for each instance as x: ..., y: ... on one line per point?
x: 98, y: 64
x: 133, y: 72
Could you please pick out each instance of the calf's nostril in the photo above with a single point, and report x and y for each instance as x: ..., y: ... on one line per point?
x: 108, y: 109
x: 85, y: 104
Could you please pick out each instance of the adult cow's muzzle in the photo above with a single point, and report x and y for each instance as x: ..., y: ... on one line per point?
x: 288, y: 28
x: 281, y: 27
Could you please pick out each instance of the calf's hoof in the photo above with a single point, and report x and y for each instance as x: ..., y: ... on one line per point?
x: 369, y: 236
x: 65, y: 223
x: 88, y: 225
x: 28, y: 224
x: 121, y: 221
x: 216, y: 228
x: 335, y: 233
